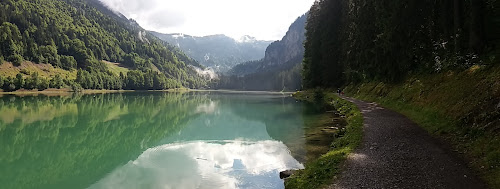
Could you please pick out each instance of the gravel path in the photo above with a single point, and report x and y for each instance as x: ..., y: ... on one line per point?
x: 397, y: 153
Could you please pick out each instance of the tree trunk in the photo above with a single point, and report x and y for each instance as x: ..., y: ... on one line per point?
x: 476, y: 35
x: 457, y: 20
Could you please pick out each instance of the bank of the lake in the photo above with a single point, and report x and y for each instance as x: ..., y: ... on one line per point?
x: 322, y: 171
x: 68, y: 91
x: 460, y: 108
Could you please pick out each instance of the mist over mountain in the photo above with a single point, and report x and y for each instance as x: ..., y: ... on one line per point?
x: 218, y: 52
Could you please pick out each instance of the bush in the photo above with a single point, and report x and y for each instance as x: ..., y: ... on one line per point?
x: 75, y: 87
x: 56, y: 82
x: 318, y: 95
x: 68, y: 62
x: 1, y: 81
x: 43, y: 84
x: 19, y: 81
x: 16, y: 59
x: 8, y: 84
x: 25, y: 72
x: 32, y: 82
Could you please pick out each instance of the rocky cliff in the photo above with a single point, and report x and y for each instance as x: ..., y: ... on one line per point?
x: 280, y: 55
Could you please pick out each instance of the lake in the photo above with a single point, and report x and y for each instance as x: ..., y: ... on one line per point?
x: 152, y: 140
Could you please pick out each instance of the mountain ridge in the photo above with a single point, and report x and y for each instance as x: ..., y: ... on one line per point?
x: 217, y: 51
x: 282, y: 53
x: 279, y: 70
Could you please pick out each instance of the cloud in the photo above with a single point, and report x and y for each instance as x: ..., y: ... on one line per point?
x: 204, y: 164
x: 152, y: 13
x: 263, y: 19
x: 165, y: 19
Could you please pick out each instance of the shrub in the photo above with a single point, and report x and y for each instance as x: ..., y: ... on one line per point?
x: 32, y: 82
x: 16, y: 59
x: 8, y: 84
x: 68, y: 62
x: 75, y: 87
x: 25, y: 72
x: 1, y: 81
x: 56, y: 82
x: 19, y: 81
x: 43, y: 84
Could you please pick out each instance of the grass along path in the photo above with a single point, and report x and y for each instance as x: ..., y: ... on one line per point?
x: 460, y: 108
x: 319, y: 173
x: 397, y: 153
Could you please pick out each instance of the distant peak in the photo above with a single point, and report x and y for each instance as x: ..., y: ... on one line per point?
x: 246, y: 39
x: 178, y: 35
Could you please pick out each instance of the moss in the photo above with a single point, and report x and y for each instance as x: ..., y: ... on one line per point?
x: 459, y: 107
x: 323, y: 170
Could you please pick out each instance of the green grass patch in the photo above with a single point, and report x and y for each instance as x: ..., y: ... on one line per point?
x: 44, y: 70
x: 462, y: 108
x: 323, y: 170
x: 116, y: 68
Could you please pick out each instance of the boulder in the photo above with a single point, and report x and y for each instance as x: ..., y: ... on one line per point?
x: 286, y: 174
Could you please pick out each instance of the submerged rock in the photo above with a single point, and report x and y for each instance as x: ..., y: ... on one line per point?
x: 287, y: 173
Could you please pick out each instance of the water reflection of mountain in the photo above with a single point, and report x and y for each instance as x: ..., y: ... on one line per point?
x: 250, y: 118
x: 63, y: 142
x: 284, y: 122
x: 75, y: 142
x: 225, y: 145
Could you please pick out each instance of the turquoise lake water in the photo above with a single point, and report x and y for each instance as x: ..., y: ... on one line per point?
x: 151, y: 140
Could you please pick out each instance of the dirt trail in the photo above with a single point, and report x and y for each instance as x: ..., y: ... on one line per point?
x: 397, y: 153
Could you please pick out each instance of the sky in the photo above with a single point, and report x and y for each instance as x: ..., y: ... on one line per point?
x: 263, y: 19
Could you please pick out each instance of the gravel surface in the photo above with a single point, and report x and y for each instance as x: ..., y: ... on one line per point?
x: 397, y: 153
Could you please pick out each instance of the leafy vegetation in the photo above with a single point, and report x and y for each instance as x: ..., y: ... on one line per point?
x: 78, y: 34
x: 321, y: 171
x: 443, y: 105
x: 356, y: 41
x: 434, y: 61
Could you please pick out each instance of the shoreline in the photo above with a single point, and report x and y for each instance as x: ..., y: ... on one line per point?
x: 321, y: 172
x: 68, y: 91
x: 238, y: 92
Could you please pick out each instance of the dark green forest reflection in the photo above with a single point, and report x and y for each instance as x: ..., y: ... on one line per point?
x: 148, y: 140
x: 63, y: 142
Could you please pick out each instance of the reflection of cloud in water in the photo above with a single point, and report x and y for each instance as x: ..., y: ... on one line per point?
x: 201, y: 164
x: 208, y: 108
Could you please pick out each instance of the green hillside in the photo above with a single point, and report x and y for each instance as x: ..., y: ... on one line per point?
x: 78, y: 34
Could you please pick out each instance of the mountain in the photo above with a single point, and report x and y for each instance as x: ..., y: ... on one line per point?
x: 83, y: 35
x: 281, y: 54
x: 280, y: 69
x: 218, y: 52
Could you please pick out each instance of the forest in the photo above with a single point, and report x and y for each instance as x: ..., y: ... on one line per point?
x: 357, y: 41
x: 78, y: 34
